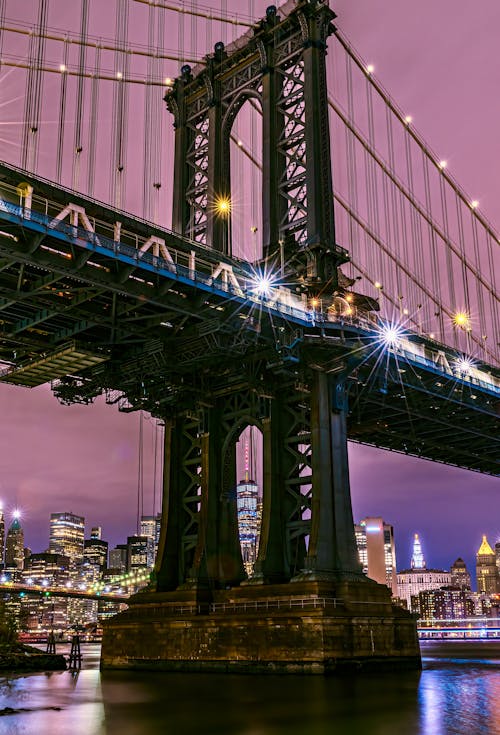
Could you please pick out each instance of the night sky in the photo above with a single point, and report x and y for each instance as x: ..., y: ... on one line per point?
x: 441, y: 65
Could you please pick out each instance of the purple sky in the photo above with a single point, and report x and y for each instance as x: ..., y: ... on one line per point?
x: 440, y: 64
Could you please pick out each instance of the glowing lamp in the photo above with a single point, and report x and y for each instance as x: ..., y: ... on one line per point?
x: 391, y: 334
x: 119, y: 75
x: 464, y: 365
x: 222, y: 205
x: 378, y: 285
x: 442, y: 164
x: 370, y: 68
x: 408, y: 119
x: 62, y: 67
x: 474, y: 204
x: 16, y: 514
x: 461, y: 319
x: 314, y: 303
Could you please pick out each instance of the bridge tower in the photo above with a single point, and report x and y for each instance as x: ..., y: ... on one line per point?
x: 308, y: 607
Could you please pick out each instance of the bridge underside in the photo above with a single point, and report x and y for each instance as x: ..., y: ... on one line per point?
x: 91, y: 324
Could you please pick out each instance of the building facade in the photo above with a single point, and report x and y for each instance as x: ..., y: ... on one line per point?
x: 486, y: 569
x: 460, y: 576
x: 377, y: 551
x: 14, y: 546
x: 67, y: 535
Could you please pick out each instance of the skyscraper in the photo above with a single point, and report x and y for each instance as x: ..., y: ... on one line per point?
x: 417, y: 579
x: 249, y: 511
x: 460, y: 576
x: 67, y: 535
x: 417, y: 559
x: 486, y: 569
x: 14, y: 545
x: 95, y: 551
x: 377, y: 551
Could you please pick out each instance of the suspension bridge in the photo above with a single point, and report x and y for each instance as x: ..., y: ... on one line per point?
x: 365, y: 308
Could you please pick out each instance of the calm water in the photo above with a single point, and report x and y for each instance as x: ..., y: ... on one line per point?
x: 457, y: 692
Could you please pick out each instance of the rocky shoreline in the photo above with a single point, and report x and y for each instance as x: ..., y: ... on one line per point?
x: 19, y: 658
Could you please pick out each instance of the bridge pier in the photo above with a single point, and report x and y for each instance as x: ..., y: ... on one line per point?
x: 308, y: 608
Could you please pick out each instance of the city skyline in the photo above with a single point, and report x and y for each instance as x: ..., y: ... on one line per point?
x: 85, y: 458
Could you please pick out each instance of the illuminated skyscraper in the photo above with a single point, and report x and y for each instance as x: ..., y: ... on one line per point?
x: 417, y: 559
x: 377, y: 551
x: 14, y: 545
x: 486, y: 569
x: 67, y: 535
x: 150, y: 527
x: 418, y: 579
x: 249, y: 517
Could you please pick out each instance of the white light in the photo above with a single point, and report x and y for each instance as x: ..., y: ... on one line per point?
x: 16, y: 514
x: 370, y: 68
x: 240, y: 143
x: 405, y: 312
x: 377, y: 284
x: 262, y: 285
x: 408, y: 119
x: 442, y: 164
x: 464, y: 365
x: 168, y: 82
x: 119, y: 75
x: 474, y: 204
x: 391, y: 334
x: 45, y: 582
x: 62, y: 67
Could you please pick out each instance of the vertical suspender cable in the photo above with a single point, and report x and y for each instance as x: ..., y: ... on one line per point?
x: 62, y: 114
x: 93, y: 122
x: 80, y: 98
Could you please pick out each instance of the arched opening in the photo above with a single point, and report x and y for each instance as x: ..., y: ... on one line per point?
x: 245, y: 152
x: 249, y: 494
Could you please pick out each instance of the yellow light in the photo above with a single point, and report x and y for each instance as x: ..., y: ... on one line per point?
x: 62, y: 67
x: 349, y: 297
x: 168, y: 81
x: 442, y: 164
x: 461, y: 319
x: 240, y: 143
x: 119, y: 75
x: 474, y: 204
x: 314, y: 303
x: 378, y: 285
x: 408, y: 119
x: 348, y: 310
x: 370, y: 68
x: 222, y: 205
x: 405, y: 312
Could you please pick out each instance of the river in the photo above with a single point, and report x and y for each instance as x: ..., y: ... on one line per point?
x: 457, y: 693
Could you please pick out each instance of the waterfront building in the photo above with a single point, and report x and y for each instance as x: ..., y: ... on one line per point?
x: 460, y: 576
x: 377, y: 551
x: 67, y: 535
x: 14, y: 546
x: 486, y: 569
x: 96, y: 532
x: 46, y: 568
x: 413, y: 581
x: 446, y: 603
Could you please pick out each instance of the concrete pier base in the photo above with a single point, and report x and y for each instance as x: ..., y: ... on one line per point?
x: 303, y: 627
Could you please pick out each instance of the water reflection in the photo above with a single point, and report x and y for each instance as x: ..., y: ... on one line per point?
x: 458, y: 696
